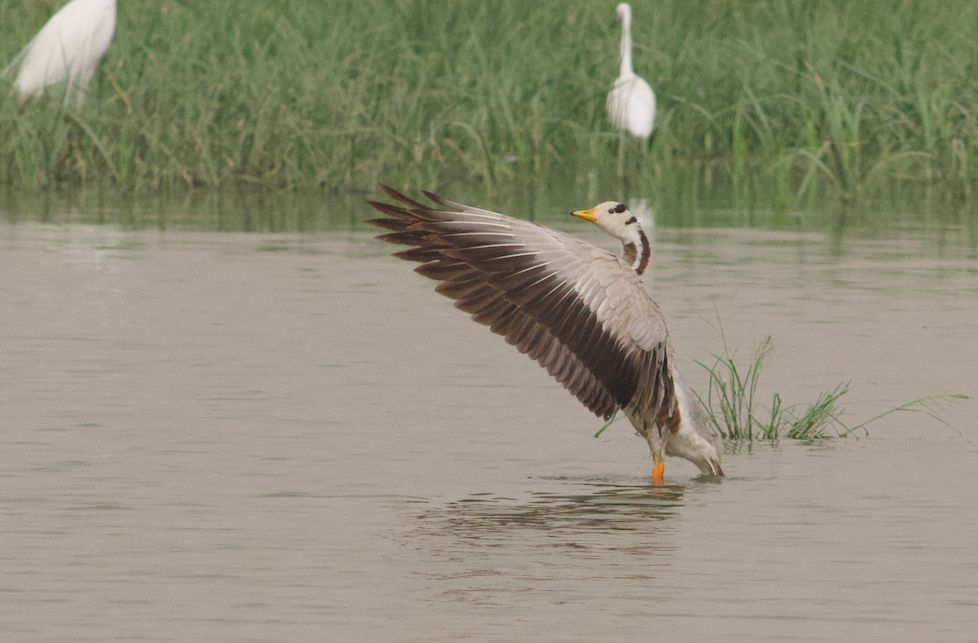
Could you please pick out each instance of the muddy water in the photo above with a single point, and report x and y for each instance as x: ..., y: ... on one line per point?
x: 291, y: 438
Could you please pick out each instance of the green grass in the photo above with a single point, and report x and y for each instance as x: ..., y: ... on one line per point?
x: 732, y: 405
x: 780, y: 104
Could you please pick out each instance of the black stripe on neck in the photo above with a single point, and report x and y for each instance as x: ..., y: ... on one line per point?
x: 646, y: 252
x: 630, y: 253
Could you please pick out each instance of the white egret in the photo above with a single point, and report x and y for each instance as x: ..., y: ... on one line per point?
x: 580, y: 311
x: 631, y: 102
x: 69, y: 45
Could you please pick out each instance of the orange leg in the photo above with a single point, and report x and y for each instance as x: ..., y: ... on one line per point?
x: 657, y: 471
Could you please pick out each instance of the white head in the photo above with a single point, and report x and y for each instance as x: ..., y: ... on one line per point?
x: 614, y: 218
x: 618, y: 221
x: 624, y: 12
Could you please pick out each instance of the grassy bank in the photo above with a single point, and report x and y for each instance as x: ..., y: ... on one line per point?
x: 784, y: 102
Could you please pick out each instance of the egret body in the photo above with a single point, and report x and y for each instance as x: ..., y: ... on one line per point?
x: 69, y: 45
x: 631, y: 102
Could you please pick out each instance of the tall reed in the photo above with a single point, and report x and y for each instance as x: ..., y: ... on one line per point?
x: 783, y: 98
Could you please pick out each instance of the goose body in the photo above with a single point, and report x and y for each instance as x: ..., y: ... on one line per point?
x: 578, y: 310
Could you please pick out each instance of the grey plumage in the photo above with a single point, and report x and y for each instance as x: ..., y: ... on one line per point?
x: 579, y: 311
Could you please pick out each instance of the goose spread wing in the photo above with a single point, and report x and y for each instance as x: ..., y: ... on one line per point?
x: 576, y: 309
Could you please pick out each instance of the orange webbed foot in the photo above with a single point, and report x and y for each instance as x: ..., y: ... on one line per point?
x: 657, y: 471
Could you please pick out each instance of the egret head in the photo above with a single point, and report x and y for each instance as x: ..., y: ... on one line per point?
x: 624, y: 12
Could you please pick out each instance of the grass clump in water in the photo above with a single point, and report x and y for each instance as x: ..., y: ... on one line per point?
x: 732, y: 406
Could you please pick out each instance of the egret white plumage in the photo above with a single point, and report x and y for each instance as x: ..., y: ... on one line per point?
x: 631, y: 102
x: 69, y: 45
x: 580, y: 311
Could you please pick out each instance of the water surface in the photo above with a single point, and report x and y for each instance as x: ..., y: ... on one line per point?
x: 284, y: 437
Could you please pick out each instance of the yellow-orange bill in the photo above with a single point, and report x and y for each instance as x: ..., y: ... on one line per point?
x: 585, y: 214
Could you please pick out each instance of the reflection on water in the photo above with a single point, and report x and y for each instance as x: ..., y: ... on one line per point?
x: 490, y: 549
x: 606, y: 507
x: 214, y: 211
x: 277, y: 212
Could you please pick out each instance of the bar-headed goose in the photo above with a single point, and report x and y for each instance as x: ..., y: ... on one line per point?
x: 578, y: 310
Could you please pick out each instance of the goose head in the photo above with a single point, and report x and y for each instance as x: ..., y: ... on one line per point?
x: 618, y: 221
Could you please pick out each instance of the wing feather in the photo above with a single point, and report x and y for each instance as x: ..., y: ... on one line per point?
x: 577, y: 310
